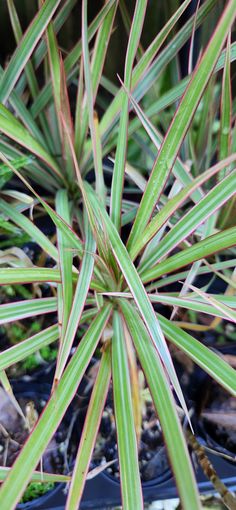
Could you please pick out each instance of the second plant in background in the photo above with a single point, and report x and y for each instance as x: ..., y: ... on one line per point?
x: 131, y: 212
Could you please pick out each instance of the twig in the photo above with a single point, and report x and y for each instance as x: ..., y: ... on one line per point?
x: 227, y: 497
x: 66, y: 443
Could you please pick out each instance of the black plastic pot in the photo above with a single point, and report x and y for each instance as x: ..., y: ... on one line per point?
x: 25, y: 388
x: 45, y: 502
x: 103, y: 491
x: 207, y: 433
x: 55, y: 496
x: 46, y: 374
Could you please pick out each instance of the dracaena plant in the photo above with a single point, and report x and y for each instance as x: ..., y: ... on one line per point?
x: 176, y: 152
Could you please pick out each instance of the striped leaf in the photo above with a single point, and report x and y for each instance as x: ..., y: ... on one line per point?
x: 124, y: 416
x: 212, y: 244
x: 16, y: 482
x: 181, y: 122
x: 90, y: 430
x: 165, y: 407
x: 26, y: 47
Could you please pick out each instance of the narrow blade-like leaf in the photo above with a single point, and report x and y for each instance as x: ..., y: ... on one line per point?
x: 37, y: 476
x: 124, y: 415
x: 63, y: 393
x: 181, y: 122
x: 23, y: 349
x: 26, y: 47
x: 197, y: 251
x: 80, y: 295
x: 137, y: 289
x: 26, y: 308
x: 207, y: 359
x: 90, y: 430
x: 192, y: 219
x: 119, y: 167
x: 165, y: 406
x: 65, y: 294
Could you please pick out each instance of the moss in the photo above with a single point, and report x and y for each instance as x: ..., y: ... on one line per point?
x: 35, y: 490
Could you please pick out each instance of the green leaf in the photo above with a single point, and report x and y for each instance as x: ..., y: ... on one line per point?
x: 90, y: 430
x: 124, y: 415
x: 27, y: 347
x: 37, y: 476
x: 226, y: 108
x: 27, y: 308
x: 23, y: 222
x: 225, y: 129
x: 181, y: 122
x: 26, y: 48
x: 206, y: 358
x: 145, y: 74
x: 28, y: 275
x: 71, y: 60
x: 65, y: 290
x: 20, y: 474
x: 93, y: 75
x: 197, y: 251
x: 12, y: 127
x: 33, y: 86
x: 119, y: 167
x: 192, y: 219
x: 165, y: 407
x: 80, y: 296
x: 172, y: 205
x: 137, y: 289
x: 55, y: 66
x: 98, y: 167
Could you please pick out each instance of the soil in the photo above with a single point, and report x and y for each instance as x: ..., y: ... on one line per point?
x: 13, y: 433
x: 153, y: 460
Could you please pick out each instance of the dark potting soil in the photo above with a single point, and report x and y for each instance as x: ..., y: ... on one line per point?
x: 153, y: 460
x: 14, y: 432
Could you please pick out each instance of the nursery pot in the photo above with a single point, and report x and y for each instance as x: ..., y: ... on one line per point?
x: 216, y: 413
x: 104, y: 491
x: 37, y: 393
